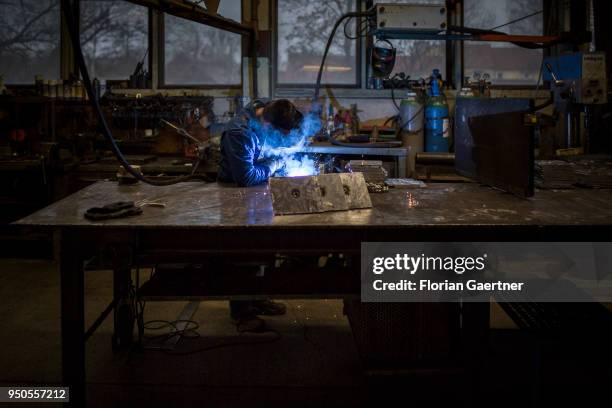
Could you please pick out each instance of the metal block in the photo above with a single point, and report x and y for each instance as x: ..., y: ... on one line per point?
x: 356, y: 190
x: 333, y: 197
x: 296, y: 195
x: 315, y: 194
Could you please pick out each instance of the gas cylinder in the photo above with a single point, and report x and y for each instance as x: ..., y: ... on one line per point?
x: 436, y: 118
x: 411, y: 113
x: 411, y: 122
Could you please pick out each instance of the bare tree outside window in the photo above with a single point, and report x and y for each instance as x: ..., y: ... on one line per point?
x: 114, y: 37
x: 303, y: 28
x: 506, y: 64
x: 418, y: 58
x: 29, y: 40
x: 195, y: 54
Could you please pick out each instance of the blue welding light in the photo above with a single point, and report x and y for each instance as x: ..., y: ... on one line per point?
x: 287, y: 147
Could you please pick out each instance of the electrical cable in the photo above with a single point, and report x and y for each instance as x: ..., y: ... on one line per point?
x: 315, y: 98
x: 277, y: 336
x: 80, y: 60
x: 518, y: 19
x: 361, y: 29
x: 417, y: 113
x: 393, y: 94
x: 330, y: 39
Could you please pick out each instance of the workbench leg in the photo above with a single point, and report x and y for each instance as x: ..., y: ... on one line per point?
x: 73, y: 319
x: 124, y: 318
x: 401, y: 166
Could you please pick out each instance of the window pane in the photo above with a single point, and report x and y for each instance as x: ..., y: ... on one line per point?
x: 196, y: 54
x: 303, y: 28
x: 506, y: 64
x: 418, y: 58
x: 114, y: 37
x: 29, y: 40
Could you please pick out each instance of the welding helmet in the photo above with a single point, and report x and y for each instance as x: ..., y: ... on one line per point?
x: 283, y: 115
x: 383, y: 58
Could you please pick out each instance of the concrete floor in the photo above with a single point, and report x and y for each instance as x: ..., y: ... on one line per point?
x: 314, y: 363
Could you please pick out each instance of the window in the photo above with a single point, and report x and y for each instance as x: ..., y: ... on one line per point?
x: 196, y: 54
x: 506, y: 64
x: 303, y: 27
x: 114, y: 37
x: 29, y: 40
x: 418, y: 58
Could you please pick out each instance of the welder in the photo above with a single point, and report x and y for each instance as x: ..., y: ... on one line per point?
x: 243, y: 163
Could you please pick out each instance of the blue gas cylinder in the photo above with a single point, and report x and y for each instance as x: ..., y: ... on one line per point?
x: 436, y: 118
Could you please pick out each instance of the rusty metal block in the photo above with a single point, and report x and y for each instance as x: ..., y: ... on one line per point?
x: 315, y: 194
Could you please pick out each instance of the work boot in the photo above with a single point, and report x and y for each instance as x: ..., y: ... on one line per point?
x: 250, y: 324
x: 268, y: 308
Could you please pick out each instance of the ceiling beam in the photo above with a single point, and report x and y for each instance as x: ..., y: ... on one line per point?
x: 190, y: 11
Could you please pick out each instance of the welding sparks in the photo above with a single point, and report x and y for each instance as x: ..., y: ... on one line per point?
x: 287, y: 147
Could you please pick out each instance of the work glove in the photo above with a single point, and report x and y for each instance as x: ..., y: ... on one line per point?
x: 275, y: 165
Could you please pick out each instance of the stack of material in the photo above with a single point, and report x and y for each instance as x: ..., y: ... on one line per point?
x: 594, y: 173
x: 577, y: 172
x: 373, y: 170
x: 404, y: 183
x: 555, y: 174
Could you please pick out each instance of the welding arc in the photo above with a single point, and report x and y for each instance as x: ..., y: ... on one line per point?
x: 80, y: 60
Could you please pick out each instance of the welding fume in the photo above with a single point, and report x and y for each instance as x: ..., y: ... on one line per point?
x: 263, y: 140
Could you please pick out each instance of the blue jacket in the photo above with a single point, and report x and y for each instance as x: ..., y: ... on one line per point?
x: 240, y: 151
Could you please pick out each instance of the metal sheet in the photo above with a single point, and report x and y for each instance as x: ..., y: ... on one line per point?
x: 210, y: 208
x: 467, y: 108
x: 503, y: 152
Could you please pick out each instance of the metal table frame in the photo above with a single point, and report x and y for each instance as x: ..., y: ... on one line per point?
x: 201, y: 220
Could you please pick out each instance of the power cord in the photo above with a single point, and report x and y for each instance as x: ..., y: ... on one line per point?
x: 71, y: 20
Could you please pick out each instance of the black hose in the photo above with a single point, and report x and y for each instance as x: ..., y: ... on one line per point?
x: 329, y: 42
x: 80, y: 60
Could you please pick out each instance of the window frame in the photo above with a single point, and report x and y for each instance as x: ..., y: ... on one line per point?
x: 161, y: 61
x: 280, y: 87
x: 360, y: 90
x: 507, y: 87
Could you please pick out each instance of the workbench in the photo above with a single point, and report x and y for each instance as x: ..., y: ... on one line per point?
x: 202, y: 220
x: 400, y: 154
